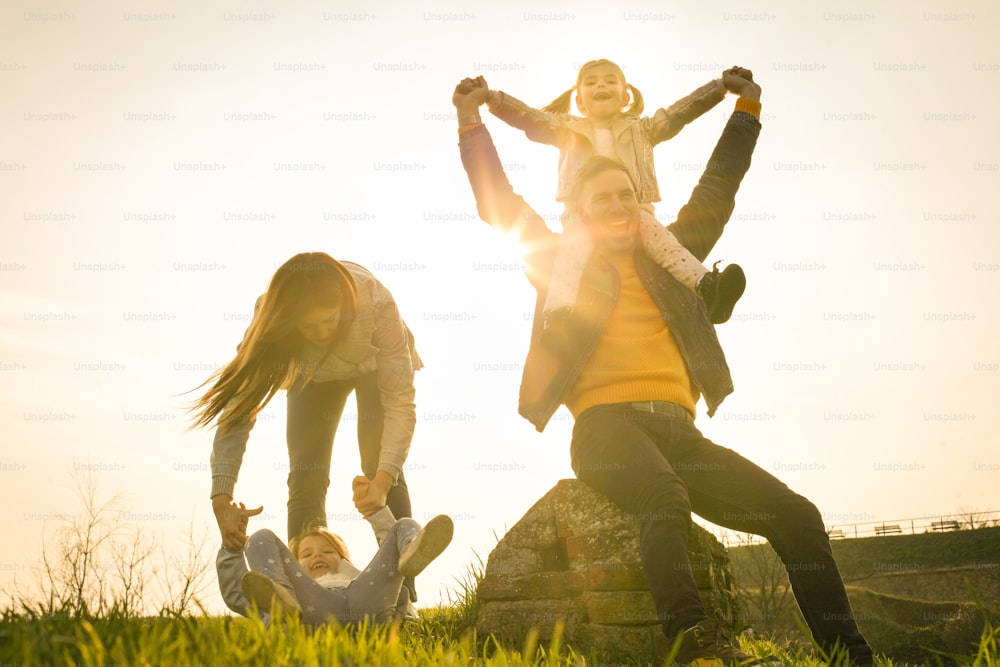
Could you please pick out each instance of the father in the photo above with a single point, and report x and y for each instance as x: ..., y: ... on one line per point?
x: 640, y: 351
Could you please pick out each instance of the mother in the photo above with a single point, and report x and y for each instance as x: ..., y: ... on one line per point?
x: 322, y: 329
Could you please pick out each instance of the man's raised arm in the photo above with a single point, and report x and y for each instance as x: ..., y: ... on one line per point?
x: 496, y: 200
x: 701, y: 221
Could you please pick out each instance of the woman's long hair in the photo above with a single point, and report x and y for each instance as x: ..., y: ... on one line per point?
x: 561, y: 103
x: 267, y: 359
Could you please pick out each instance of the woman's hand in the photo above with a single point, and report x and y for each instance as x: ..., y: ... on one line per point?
x: 370, y: 494
x: 233, y: 520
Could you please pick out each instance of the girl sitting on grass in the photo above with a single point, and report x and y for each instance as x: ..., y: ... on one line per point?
x: 315, y: 578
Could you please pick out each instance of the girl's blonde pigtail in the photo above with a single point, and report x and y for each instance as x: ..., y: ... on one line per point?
x: 635, y: 109
x: 560, y: 104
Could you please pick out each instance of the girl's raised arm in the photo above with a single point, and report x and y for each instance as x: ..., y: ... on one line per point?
x: 667, y: 122
x: 543, y: 127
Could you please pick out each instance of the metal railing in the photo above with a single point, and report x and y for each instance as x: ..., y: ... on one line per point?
x: 840, y: 531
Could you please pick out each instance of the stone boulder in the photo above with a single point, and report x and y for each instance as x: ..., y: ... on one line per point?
x: 574, y: 558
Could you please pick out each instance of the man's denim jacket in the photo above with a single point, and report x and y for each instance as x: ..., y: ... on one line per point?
x: 548, y: 377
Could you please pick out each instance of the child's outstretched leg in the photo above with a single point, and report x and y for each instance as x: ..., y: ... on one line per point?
x: 405, y: 551
x: 567, y: 269
x: 720, y: 290
x: 426, y: 545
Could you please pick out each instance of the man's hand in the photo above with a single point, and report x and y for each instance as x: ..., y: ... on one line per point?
x: 470, y: 94
x: 370, y: 494
x: 740, y: 81
x: 233, y: 520
x: 468, y: 84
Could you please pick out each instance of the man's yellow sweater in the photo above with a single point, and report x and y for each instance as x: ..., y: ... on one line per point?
x: 636, y: 358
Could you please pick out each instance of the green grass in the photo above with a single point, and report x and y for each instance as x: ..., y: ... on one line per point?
x: 916, y: 597
x: 858, y: 558
x: 861, y: 558
x: 439, y: 638
x: 79, y: 615
x: 227, y: 641
x: 52, y: 635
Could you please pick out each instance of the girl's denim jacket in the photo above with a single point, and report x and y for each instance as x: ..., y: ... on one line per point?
x: 634, y: 136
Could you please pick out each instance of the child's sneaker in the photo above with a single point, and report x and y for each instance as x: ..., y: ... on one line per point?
x: 270, y: 597
x: 405, y: 611
x: 720, y: 290
x: 706, y: 645
x: 426, y: 545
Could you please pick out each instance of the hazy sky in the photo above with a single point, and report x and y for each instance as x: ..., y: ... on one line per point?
x: 160, y: 160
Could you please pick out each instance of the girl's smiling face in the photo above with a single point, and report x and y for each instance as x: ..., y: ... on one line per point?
x: 601, y: 91
x: 317, y: 556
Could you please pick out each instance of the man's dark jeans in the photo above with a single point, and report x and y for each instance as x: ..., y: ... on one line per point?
x: 661, y: 468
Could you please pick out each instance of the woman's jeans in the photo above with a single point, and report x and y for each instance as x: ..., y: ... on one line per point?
x: 314, y: 412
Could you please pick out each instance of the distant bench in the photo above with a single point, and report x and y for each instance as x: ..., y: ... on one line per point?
x: 945, y: 525
x: 836, y: 534
x: 887, y: 530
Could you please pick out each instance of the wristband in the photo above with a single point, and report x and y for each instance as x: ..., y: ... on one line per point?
x: 752, y: 107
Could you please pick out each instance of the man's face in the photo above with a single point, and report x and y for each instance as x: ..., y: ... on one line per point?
x: 609, y: 208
